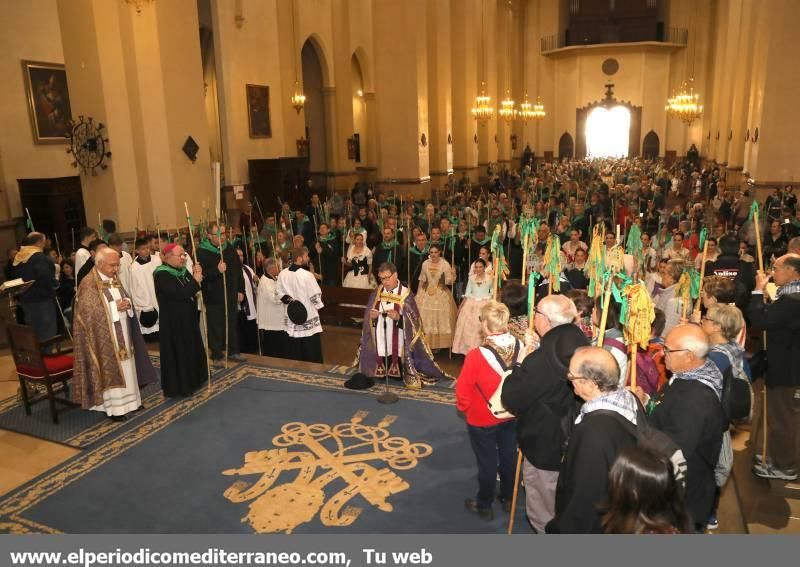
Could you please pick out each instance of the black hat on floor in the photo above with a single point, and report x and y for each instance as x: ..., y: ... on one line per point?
x: 359, y: 382
x: 297, y: 312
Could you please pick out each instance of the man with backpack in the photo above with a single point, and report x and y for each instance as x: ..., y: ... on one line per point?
x: 689, y: 410
x: 541, y: 398
x: 607, y: 424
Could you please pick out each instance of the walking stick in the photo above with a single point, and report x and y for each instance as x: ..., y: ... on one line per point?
x: 224, y: 290
x: 604, y: 315
x: 516, y: 492
x: 203, y: 317
x: 63, y: 318
x: 760, y: 255
x: 702, y: 275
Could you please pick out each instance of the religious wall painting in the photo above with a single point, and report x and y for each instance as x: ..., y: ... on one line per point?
x: 321, y: 457
x: 258, y: 111
x: 48, y: 101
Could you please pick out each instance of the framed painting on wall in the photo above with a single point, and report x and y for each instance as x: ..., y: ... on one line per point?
x: 48, y: 101
x: 258, y: 111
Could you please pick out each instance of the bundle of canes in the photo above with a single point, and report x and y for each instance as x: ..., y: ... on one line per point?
x: 760, y: 255
x: 640, y: 316
x: 200, y: 297
x: 224, y: 290
x: 704, y: 246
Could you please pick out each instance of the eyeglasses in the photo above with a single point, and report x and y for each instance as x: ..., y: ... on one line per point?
x: 571, y: 377
x: 668, y: 350
x: 710, y: 320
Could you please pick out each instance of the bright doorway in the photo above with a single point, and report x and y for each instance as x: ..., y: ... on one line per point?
x: 608, y: 132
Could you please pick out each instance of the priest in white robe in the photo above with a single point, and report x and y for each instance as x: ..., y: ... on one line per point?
x: 111, y: 361
x: 142, y: 288
x: 296, y: 283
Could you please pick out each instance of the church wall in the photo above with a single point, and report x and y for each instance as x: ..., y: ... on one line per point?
x: 248, y: 54
x: 28, y: 31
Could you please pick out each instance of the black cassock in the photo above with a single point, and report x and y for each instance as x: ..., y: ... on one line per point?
x: 183, y: 356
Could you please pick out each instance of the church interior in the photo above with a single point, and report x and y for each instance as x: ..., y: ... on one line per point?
x: 137, y: 116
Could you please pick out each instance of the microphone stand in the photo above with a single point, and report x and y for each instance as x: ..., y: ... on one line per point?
x: 386, y: 397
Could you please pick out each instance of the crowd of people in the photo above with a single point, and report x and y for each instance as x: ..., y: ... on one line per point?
x: 547, y: 365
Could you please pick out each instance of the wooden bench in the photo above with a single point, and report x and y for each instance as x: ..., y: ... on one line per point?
x: 344, y: 305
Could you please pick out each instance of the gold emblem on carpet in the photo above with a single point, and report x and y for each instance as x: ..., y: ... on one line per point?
x: 322, y: 455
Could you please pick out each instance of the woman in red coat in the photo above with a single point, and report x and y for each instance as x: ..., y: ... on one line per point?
x: 493, y: 440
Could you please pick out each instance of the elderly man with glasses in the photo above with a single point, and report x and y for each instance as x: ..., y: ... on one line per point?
x: 604, y: 426
x: 689, y: 410
x: 781, y: 320
x: 538, y: 395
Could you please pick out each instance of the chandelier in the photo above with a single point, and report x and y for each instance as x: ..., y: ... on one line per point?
x: 507, y: 112
x: 685, y: 105
x: 482, y: 111
x: 298, y: 98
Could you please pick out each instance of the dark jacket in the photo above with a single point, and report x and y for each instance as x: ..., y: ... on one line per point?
x: 781, y: 320
x: 213, y: 286
x: 691, y: 414
x: 41, y: 269
x: 539, y: 394
x: 583, y: 481
x: 741, y: 272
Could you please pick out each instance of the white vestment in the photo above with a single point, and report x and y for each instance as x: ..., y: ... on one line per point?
x: 384, y: 325
x: 300, y: 284
x: 143, y: 290
x: 81, y: 256
x: 119, y: 401
x: 270, y: 309
x: 124, y: 274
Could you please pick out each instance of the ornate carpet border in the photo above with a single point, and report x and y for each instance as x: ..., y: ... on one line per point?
x: 17, y: 502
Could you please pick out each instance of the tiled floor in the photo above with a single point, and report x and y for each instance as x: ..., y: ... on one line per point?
x: 746, y: 500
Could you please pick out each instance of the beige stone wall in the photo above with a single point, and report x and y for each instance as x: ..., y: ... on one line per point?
x: 418, y: 64
x: 28, y: 31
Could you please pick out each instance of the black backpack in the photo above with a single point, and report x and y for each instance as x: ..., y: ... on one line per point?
x: 657, y: 441
x: 737, y: 394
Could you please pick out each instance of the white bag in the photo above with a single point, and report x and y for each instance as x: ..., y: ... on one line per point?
x: 494, y: 400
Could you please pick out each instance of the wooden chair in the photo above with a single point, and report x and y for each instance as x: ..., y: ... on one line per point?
x: 38, y: 368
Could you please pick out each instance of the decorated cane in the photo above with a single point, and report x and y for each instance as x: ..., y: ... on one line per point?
x: 224, y: 290
x: 204, y: 318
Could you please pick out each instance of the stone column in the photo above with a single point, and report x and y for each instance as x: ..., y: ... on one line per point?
x: 141, y: 76
x: 440, y: 93
x: 466, y: 24
x: 772, y: 158
x: 487, y: 131
x: 401, y: 87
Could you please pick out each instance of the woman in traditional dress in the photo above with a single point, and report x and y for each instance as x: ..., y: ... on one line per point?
x: 486, y: 256
x: 479, y: 291
x: 355, y: 230
x: 436, y: 305
x: 359, y: 264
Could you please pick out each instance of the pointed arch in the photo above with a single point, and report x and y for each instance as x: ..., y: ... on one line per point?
x: 322, y: 54
x: 360, y: 55
x: 566, y: 146
x: 651, y: 145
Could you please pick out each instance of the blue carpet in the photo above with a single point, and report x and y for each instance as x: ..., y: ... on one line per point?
x: 347, y: 465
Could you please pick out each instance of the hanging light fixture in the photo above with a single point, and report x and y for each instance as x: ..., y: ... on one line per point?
x: 525, y: 110
x: 298, y: 98
x: 483, y: 110
x: 507, y: 112
x: 685, y: 106
x: 538, y: 110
